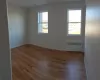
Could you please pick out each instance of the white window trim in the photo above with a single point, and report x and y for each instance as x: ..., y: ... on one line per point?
x: 74, y: 22
x: 38, y: 22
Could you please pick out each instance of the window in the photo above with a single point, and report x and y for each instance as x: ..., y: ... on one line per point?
x: 43, y: 22
x: 74, y: 22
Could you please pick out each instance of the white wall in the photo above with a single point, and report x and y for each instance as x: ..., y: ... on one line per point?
x: 92, y: 40
x: 5, y: 68
x: 57, y: 37
x: 17, y: 26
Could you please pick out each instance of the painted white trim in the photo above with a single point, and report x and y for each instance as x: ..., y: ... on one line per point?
x: 68, y: 22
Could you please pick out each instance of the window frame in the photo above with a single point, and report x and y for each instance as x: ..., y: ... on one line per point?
x: 74, y: 22
x: 40, y: 22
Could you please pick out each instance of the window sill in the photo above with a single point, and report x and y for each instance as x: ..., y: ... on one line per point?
x: 74, y: 35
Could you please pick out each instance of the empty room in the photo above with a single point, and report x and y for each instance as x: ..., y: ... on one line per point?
x: 47, y: 39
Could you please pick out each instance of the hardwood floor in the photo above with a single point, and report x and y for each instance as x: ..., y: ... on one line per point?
x: 34, y: 63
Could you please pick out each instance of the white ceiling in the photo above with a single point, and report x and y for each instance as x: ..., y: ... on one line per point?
x: 30, y: 3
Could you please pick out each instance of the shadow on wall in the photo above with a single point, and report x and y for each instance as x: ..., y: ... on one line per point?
x: 17, y: 26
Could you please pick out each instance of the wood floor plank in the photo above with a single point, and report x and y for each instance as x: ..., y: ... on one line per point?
x: 31, y: 62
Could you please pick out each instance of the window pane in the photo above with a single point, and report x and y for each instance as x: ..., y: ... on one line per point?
x: 74, y: 28
x: 43, y: 22
x: 44, y: 16
x: 74, y: 16
x: 43, y: 28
